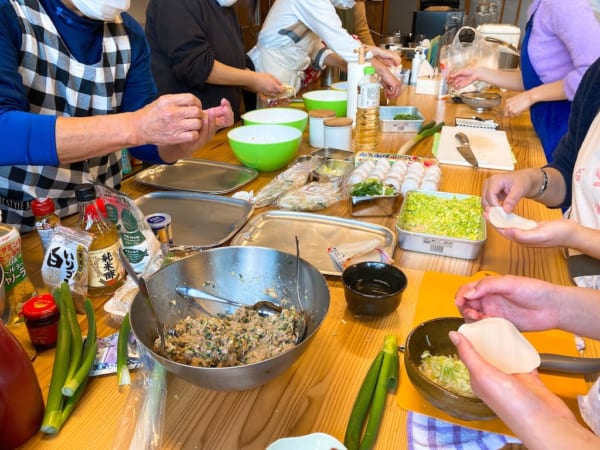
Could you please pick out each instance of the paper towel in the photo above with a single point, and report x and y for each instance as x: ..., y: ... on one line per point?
x: 355, y: 73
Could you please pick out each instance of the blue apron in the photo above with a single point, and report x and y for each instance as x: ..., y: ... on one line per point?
x: 550, y: 119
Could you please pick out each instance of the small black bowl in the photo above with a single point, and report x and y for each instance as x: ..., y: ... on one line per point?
x: 373, y: 288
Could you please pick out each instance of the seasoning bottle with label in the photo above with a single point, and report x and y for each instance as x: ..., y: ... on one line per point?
x: 46, y: 219
x: 17, y: 285
x: 41, y: 318
x: 105, y: 270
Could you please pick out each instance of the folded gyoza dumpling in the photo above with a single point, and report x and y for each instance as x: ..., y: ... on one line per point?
x: 500, y: 343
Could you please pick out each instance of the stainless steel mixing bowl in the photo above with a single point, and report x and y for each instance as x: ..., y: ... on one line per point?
x: 240, y: 273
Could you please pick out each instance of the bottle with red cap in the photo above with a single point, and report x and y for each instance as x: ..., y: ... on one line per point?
x: 46, y: 219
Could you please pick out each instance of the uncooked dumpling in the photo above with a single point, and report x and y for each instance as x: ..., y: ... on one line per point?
x: 501, y: 219
x: 500, y: 343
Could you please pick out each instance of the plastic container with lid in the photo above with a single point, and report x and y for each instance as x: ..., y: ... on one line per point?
x: 41, y: 316
x: 160, y: 223
x: 338, y: 133
x: 45, y: 219
x: 316, y: 133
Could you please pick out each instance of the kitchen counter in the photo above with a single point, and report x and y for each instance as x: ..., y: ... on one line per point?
x: 318, y: 391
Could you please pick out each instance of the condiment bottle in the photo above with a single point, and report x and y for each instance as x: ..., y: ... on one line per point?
x: 21, y: 401
x: 41, y: 316
x: 367, y: 112
x: 45, y: 219
x: 160, y: 223
x: 105, y: 270
x: 17, y: 285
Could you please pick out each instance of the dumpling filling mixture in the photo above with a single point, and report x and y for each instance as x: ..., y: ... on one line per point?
x: 243, y: 337
x: 447, y: 371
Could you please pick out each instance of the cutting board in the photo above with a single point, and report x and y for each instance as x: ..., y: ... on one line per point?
x: 491, y: 148
x: 436, y: 299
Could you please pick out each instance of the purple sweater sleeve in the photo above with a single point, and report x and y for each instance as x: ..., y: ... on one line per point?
x: 564, y: 41
x: 32, y: 137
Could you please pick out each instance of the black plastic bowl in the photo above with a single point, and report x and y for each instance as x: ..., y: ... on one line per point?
x: 373, y: 288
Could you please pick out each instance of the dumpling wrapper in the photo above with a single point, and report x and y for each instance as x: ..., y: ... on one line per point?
x: 500, y: 343
x: 501, y: 219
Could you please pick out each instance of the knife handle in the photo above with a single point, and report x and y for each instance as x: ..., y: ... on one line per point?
x: 462, y: 138
x: 568, y: 364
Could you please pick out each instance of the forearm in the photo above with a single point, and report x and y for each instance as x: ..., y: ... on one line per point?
x: 505, y: 79
x: 335, y: 60
x: 223, y: 74
x: 579, y: 311
x: 548, y: 92
x: 555, y: 191
x: 586, y: 240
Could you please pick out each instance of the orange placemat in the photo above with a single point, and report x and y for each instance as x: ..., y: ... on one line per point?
x: 436, y: 299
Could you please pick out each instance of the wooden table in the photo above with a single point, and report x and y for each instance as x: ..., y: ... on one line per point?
x: 318, y: 391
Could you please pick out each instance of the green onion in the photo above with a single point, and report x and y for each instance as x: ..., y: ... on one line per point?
x: 75, y: 330
x: 89, y: 353
x: 123, y: 352
x: 51, y: 420
x: 381, y: 378
x: 425, y: 131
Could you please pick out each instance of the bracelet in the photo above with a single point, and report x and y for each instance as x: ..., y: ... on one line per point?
x: 543, y: 186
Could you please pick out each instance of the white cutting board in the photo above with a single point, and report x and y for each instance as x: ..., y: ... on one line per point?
x: 491, y: 148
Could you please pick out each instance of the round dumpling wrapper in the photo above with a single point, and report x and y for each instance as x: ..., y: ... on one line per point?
x: 501, y: 219
x: 500, y: 343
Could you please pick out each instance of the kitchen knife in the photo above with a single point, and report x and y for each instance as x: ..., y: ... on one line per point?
x: 465, y: 149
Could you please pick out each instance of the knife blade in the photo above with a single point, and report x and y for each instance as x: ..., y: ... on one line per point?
x: 465, y: 149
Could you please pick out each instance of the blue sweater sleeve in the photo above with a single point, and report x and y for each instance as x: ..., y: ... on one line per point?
x: 32, y: 137
x: 586, y: 105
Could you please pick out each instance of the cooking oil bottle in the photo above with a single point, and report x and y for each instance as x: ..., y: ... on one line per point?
x: 105, y: 271
x: 366, y: 131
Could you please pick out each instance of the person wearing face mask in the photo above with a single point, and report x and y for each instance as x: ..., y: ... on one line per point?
x: 197, y: 47
x: 75, y: 89
x: 297, y: 34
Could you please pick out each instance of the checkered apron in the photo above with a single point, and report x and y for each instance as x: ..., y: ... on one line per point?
x: 56, y: 83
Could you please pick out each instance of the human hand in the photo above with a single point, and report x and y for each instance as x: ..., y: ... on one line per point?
x: 506, y: 189
x: 170, y: 119
x: 389, y: 58
x: 223, y: 114
x: 530, y: 304
x: 518, y: 103
x: 267, y: 85
x: 458, y: 79
x: 554, y: 233
x: 390, y: 83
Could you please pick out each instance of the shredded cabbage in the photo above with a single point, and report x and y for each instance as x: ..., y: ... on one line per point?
x: 447, y: 371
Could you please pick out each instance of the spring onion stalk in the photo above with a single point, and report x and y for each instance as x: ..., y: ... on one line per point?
x: 89, y: 353
x: 51, y: 420
x: 427, y: 130
x: 123, y: 352
x: 75, y: 329
x: 369, y: 405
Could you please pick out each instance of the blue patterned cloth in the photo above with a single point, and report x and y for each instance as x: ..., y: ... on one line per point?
x: 426, y: 433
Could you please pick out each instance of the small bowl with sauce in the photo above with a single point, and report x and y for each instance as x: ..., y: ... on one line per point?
x: 373, y: 288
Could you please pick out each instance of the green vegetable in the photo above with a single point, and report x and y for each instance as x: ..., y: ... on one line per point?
x: 123, y: 352
x: 442, y: 216
x: 89, y: 353
x: 370, y: 402
x: 370, y: 187
x: 447, y: 371
x: 406, y: 116
x: 427, y: 130
x: 60, y: 405
x: 52, y: 412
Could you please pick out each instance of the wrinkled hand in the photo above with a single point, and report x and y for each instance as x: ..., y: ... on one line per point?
x: 518, y: 103
x: 554, y: 233
x: 223, y: 114
x: 170, y: 119
x: 530, y: 304
x: 506, y: 190
x: 512, y: 397
x: 458, y: 79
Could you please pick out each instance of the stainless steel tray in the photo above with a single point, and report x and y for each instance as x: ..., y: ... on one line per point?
x: 203, y: 220
x: 317, y: 233
x: 197, y: 175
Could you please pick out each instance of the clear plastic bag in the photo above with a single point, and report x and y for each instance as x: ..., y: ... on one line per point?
x: 288, y: 180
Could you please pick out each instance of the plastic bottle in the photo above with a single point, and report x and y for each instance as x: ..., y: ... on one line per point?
x: 17, y: 285
x: 105, y: 270
x: 45, y: 219
x: 367, y: 112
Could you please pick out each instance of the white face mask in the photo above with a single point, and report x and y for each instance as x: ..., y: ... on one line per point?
x: 226, y: 3
x: 105, y: 10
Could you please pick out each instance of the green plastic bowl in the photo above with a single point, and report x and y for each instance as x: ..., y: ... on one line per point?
x: 326, y: 99
x: 277, y: 116
x: 265, y: 147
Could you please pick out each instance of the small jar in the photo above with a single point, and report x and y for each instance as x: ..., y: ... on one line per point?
x: 338, y: 133
x: 41, y: 319
x: 160, y: 223
x: 316, y: 133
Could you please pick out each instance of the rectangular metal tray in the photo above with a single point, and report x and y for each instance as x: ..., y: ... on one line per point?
x: 197, y: 175
x: 316, y: 233
x: 203, y: 220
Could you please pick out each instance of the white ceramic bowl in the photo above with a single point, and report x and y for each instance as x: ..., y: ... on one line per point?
x: 277, y: 116
x: 314, y: 441
x: 340, y: 86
